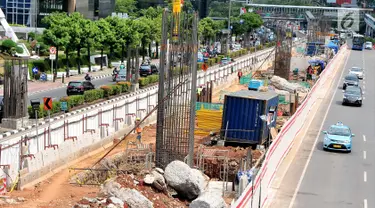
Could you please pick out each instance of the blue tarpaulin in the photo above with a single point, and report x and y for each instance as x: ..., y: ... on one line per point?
x: 333, y: 46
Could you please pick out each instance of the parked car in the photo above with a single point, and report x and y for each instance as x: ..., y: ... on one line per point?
x: 350, y: 80
x: 357, y: 71
x: 368, y: 45
x: 338, y: 137
x: 79, y: 87
x: 146, y: 70
x: 353, y: 96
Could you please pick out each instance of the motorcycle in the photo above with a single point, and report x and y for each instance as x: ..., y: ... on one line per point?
x: 88, y: 78
x: 114, y: 76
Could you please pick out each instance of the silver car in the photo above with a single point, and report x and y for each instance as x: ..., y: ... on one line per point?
x: 350, y: 80
x: 357, y: 71
x: 368, y: 45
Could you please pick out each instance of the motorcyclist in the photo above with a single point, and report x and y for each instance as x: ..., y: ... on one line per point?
x: 88, y: 77
x: 115, y: 71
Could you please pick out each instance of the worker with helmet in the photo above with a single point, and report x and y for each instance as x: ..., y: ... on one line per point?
x: 138, y: 129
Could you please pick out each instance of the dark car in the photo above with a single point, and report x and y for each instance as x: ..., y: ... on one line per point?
x: 79, y: 87
x: 350, y: 80
x: 353, y: 95
x: 146, y: 70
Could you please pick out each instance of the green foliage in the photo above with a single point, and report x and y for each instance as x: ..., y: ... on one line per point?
x: 207, y: 28
x: 19, y: 50
x: 92, y: 95
x: 153, y: 79
x: 116, y: 89
x: 143, y: 82
x: 108, y: 91
x: 8, y: 44
x: 125, y: 86
x: 126, y: 6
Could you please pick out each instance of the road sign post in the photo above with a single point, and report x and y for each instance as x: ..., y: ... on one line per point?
x: 204, y: 68
x: 47, y: 101
x: 52, y: 56
x: 35, y: 104
x: 64, y: 108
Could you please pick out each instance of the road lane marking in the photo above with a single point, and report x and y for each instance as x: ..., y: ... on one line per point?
x: 364, y: 155
x: 365, y: 203
x: 365, y: 176
x: 364, y: 87
x: 364, y: 138
x: 317, y: 136
x: 364, y: 82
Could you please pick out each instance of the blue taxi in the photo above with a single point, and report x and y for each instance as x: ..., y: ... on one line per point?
x: 338, y: 137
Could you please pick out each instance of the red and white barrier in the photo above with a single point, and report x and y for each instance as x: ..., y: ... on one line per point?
x: 259, y: 192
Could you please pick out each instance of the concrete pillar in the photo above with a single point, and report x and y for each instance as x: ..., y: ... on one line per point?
x: 366, y: 33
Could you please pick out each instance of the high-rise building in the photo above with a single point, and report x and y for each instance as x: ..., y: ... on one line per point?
x: 31, y: 12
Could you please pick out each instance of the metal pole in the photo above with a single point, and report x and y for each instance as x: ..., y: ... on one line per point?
x: 36, y: 129
x: 229, y: 30
x: 53, y: 72
x: 193, y: 93
x: 49, y: 127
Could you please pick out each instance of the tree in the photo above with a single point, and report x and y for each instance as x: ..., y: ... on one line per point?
x: 207, y: 29
x: 105, y: 38
x: 143, y: 26
x: 57, y: 32
x: 126, y: 6
x: 90, y: 30
x: 75, y: 32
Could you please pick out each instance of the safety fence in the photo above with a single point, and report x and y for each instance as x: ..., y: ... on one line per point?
x: 257, y: 192
x: 55, y: 142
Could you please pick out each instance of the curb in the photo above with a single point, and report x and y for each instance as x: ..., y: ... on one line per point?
x: 65, y: 84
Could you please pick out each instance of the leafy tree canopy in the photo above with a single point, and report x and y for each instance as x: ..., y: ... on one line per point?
x: 126, y: 6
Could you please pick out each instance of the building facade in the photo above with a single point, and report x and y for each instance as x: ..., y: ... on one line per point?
x: 31, y: 12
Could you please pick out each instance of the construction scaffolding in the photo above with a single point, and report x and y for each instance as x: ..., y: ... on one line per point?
x: 178, y: 75
x: 283, y: 52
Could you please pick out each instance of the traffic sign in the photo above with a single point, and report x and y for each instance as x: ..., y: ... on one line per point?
x: 35, y: 104
x: 35, y: 70
x: 204, y: 67
x: 52, y: 56
x: 47, y: 103
x: 52, y: 50
x: 64, y: 106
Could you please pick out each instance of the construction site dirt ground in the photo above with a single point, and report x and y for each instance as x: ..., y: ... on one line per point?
x: 57, y: 192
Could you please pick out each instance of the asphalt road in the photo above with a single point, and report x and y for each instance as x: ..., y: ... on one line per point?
x: 341, y: 180
x: 61, y: 92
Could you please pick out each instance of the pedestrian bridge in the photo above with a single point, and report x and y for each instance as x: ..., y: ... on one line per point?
x: 370, y: 25
x: 269, y: 11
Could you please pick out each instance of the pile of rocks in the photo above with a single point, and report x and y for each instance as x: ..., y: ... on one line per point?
x: 177, y: 180
x: 10, y: 201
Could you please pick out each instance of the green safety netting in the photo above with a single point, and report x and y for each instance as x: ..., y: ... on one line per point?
x: 282, y: 100
x: 245, y: 79
x: 208, y: 106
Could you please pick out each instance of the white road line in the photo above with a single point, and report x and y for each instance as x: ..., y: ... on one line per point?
x: 364, y: 155
x: 364, y: 138
x: 365, y: 176
x: 365, y: 203
x: 364, y: 87
x: 317, y: 136
x: 364, y: 82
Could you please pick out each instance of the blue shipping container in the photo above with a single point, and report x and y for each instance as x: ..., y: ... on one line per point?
x: 242, y: 113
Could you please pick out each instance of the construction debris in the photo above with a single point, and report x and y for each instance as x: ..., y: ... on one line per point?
x: 189, y: 183
x: 283, y: 84
x: 131, y: 197
x: 208, y: 200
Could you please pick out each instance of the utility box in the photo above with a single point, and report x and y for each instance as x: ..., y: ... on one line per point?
x: 248, y: 116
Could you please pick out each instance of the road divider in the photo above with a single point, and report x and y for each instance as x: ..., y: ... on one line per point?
x: 33, y: 154
x: 257, y: 193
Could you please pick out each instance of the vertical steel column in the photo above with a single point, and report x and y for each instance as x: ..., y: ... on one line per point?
x: 193, y: 98
x: 160, y: 114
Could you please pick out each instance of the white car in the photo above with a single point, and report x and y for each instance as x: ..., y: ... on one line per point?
x: 357, y: 71
x: 368, y: 45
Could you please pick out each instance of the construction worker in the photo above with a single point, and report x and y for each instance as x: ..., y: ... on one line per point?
x: 138, y: 129
x: 239, y: 75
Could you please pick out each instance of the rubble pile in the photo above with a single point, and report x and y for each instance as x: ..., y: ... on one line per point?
x: 11, y: 201
x: 283, y: 84
x: 157, y: 188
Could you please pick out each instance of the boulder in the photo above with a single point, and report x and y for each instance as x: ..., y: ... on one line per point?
x: 134, y: 198
x: 187, y: 182
x: 130, y: 196
x: 159, y: 181
x: 149, y: 179
x: 283, y: 84
x: 116, y: 201
x: 208, y: 200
